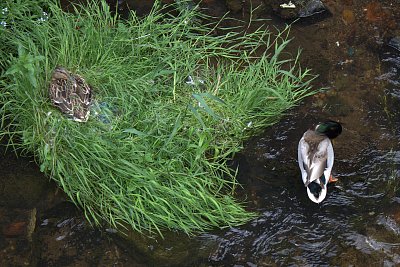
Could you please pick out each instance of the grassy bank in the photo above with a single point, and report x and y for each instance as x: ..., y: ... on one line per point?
x: 172, y: 103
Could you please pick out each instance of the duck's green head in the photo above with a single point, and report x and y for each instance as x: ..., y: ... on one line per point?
x: 329, y: 128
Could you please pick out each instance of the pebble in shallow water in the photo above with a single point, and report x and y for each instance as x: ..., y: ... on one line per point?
x: 348, y: 16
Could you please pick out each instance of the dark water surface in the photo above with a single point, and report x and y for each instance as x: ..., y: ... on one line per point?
x: 355, y: 52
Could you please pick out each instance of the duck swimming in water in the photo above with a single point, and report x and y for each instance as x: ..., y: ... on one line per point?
x: 315, y: 157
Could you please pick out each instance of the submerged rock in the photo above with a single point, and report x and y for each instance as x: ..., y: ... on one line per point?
x: 348, y: 16
x: 374, y: 12
x: 24, y: 226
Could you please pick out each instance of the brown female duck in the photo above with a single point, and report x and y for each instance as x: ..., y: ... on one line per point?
x: 71, y: 94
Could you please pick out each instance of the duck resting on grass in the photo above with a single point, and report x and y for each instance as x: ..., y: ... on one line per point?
x: 315, y: 157
x: 71, y: 94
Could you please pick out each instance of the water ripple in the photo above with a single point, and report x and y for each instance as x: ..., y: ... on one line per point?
x: 368, y: 245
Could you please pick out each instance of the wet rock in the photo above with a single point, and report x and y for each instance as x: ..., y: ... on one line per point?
x: 311, y: 8
x: 298, y: 8
x: 348, y: 16
x: 395, y: 43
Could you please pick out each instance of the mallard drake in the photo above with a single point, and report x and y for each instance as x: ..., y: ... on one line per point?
x: 315, y: 157
x: 71, y: 94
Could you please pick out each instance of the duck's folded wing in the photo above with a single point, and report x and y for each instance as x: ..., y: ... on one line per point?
x: 330, y: 156
x: 319, y: 161
x: 302, y: 158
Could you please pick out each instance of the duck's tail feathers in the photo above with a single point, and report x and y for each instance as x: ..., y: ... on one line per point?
x: 317, y: 196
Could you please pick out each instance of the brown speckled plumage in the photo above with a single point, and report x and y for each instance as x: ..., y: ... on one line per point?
x: 71, y: 94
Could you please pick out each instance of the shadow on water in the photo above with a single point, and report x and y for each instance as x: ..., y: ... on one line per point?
x: 358, y: 59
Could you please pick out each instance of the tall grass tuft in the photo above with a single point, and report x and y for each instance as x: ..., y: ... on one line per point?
x: 173, y: 102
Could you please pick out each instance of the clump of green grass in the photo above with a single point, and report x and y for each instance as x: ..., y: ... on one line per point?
x: 159, y: 159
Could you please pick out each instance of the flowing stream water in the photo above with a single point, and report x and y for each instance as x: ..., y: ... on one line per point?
x: 357, y: 55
